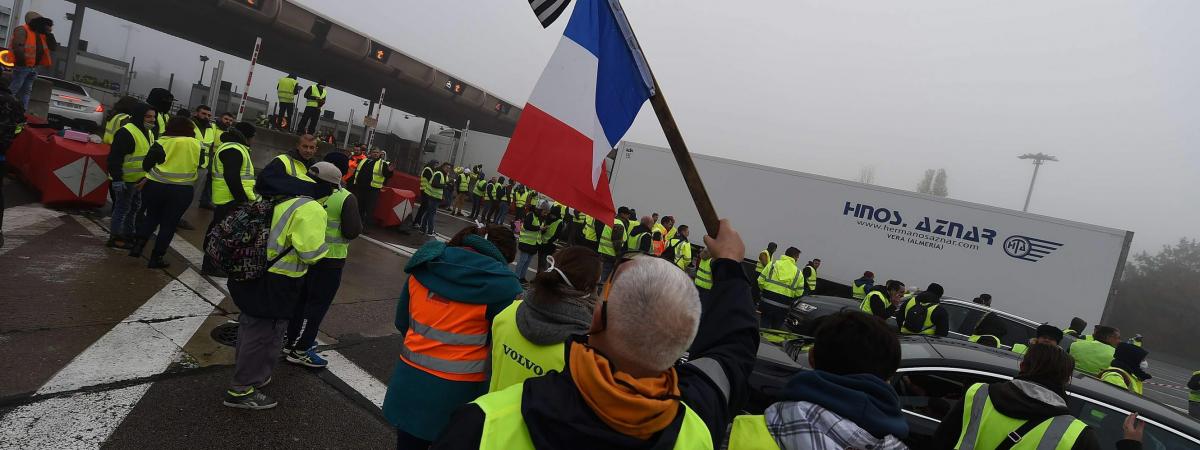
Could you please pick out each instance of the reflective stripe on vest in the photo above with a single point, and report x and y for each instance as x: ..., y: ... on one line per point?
x: 284, y: 235
x: 37, y: 52
x: 286, y: 90
x: 339, y: 246
x: 132, y: 165
x: 377, y: 175
x: 317, y: 92
x: 750, y: 433
x: 207, y: 138
x: 704, y: 278
x: 445, y: 338
x: 866, y: 303
x: 426, y: 174
x: 683, y: 253
x: 605, y: 246
x: 434, y: 192
x: 515, y: 358
x: 115, y: 123
x: 220, y: 191
x: 781, y: 285
x: 181, y: 163
x: 986, y: 428
x: 504, y: 428
x: 295, y: 167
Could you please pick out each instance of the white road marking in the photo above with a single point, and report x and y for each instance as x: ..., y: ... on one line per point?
x: 395, y: 248
x: 357, y: 378
x: 78, y: 421
x: 193, y: 255
x: 92, y: 227
x: 26, y: 215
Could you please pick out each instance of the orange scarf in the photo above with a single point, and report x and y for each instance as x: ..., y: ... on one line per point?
x: 637, y: 407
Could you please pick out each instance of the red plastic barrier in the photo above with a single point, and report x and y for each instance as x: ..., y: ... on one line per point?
x: 63, y: 171
x: 404, y: 181
x: 394, y: 206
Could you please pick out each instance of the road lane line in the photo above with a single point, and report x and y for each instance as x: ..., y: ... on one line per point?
x: 354, y: 376
x: 78, y: 421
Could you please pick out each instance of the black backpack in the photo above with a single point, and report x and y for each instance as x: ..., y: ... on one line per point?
x: 914, y: 318
x: 238, y: 244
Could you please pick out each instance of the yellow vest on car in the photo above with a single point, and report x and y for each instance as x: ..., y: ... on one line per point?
x: 704, y: 277
x: 295, y: 167
x: 220, y: 191
x: 286, y: 90
x: 927, y: 327
x: 132, y: 166
x: 504, y: 428
x: 750, y: 433
x: 782, y: 277
x: 115, y: 123
x: 182, y: 161
x: 298, y: 224
x: 985, y: 428
x: 339, y: 246
x: 1120, y: 378
x: 317, y: 92
x: 1092, y: 356
x: 514, y: 358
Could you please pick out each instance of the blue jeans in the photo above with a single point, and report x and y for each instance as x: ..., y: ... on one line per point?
x: 128, y: 201
x: 22, y: 83
x: 503, y: 213
x: 523, y: 261
x: 430, y: 214
x: 476, y: 206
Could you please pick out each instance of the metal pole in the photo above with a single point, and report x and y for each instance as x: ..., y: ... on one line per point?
x: 203, y: 65
x: 171, y: 83
x: 371, y: 131
x: 424, y: 135
x: 129, y: 76
x: 214, y: 87
x: 349, y: 128
x: 1037, y: 163
x: 249, y: 77
x: 73, y: 41
x: 462, y: 145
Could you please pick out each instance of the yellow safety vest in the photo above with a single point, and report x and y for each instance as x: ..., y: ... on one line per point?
x: 286, y: 89
x: 182, y: 161
x: 1092, y: 356
x: 704, y: 278
x: 866, y: 303
x: 683, y: 253
x: 1020, y: 348
x: 132, y: 165
x: 759, y: 266
x: 811, y: 282
x: 976, y: 337
x: 784, y: 278
x: 858, y: 291
x: 530, y: 237
x: 550, y: 231
x: 750, y: 433
x: 295, y: 167
x: 115, y: 123
x: 1194, y: 395
x: 298, y: 223
x: 317, y: 92
x: 605, y: 246
x: 985, y: 428
x: 220, y: 191
x: 504, y: 428
x: 633, y: 243
x: 434, y: 192
x: 339, y: 246
x: 589, y: 228
x: 377, y: 174
x: 163, y: 118
x: 426, y: 174
x: 479, y: 187
x: 207, y: 138
x: 514, y: 358
x: 926, y: 328
x: 1120, y: 378
x: 464, y: 183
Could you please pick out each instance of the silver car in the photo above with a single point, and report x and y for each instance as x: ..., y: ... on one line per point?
x: 70, y: 103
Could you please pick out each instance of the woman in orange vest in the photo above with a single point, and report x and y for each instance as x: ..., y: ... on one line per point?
x: 445, y: 313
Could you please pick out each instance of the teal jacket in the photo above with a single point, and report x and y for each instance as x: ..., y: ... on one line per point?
x: 420, y: 403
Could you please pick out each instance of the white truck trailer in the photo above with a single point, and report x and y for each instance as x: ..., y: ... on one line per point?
x: 1039, y: 267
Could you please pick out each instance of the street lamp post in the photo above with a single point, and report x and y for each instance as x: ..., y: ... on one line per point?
x: 1038, y: 160
x: 203, y: 65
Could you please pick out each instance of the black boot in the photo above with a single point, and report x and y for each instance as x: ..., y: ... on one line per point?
x: 156, y: 262
x: 135, y: 249
x: 118, y: 242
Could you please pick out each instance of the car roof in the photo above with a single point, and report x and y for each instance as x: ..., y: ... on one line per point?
x: 945, y: 300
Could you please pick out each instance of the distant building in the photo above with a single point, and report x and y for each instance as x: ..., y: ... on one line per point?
x: 5, y: 33
x: 227, y: 101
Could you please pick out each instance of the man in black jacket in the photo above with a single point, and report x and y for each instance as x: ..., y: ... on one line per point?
x: 1037, y: 394
x: 882, y: 299
x: 360, y: 184
x: 127, y: 198
x: 622, y: 386
x: 929, y: 301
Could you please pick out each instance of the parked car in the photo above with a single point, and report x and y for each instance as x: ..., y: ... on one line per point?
x: 936, y: 372
x: 964, y: 316
x: 71, y: 105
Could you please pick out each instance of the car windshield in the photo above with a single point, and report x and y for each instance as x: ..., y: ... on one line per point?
x: 68, y: 87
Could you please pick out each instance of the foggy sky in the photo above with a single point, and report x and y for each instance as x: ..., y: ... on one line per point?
x: 830, y: 87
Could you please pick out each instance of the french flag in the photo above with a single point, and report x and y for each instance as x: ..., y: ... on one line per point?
x: 584, y: 102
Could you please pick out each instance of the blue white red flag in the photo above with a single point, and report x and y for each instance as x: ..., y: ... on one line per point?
x: 584, y: 102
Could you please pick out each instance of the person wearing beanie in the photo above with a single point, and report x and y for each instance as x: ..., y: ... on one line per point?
x: 922, y: 314
x: 232, y: 181
x: 1128, y: 368
x: 323, y: 279
x: 161, y: 99
x: 32, y: 44
x: 1046, y: 334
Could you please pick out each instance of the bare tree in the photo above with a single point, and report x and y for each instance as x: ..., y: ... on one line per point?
x: 866, y: 175
x: 939, y: 184
x: 926, y: 184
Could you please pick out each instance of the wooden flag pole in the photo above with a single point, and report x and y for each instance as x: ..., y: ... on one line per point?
x: 683, y: 158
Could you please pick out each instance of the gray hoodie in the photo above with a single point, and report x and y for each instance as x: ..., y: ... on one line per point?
x: 546, y: 319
